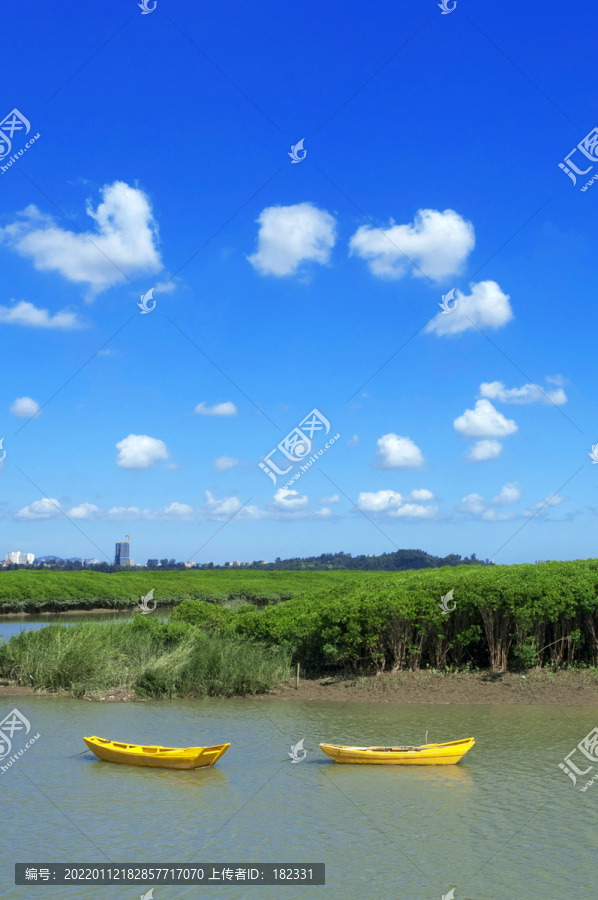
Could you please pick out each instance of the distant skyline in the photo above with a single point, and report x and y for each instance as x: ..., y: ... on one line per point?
x: 420, y: 271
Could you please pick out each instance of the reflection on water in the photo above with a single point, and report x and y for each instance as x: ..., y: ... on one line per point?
x: 504, y: 823
x: 11, y: 625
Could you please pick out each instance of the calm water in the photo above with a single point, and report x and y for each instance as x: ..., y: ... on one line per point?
x: 11, y: 625
x: 505, y: 823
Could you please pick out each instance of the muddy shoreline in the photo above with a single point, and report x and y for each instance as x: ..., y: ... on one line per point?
x: 536, y: 687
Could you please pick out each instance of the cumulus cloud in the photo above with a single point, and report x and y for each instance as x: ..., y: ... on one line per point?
x: 436, y: 243
x: 24, y: 313
x: 224, y: 463
x: 397, y: 452
x: 487, y: 306
x: 138, y: 451
x: 483, y: 450
x: 88, y: 511
x: 289, y: 500
x: 553, y: 500
x: 485, y: 421
x: 529, y: 393
x: 291, y: 235
x: 123, y: 243
x: 219, y: 409
x: 226, y: 507
x: 476, y: 505
x: 329, y: 500
x: 25, y: 407
x: 394, y: 504
x: 48, y: 508
x: 379, y: 501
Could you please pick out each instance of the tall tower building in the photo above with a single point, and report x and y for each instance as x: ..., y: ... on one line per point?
x: 121, y: 557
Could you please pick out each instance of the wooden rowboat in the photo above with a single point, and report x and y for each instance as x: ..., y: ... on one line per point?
x: 159, y: 757
x: 427, y: 755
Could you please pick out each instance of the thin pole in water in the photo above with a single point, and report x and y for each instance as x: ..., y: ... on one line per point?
x: 297, y: 680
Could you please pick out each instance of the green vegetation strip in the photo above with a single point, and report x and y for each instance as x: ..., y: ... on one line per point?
x: 47, y: 591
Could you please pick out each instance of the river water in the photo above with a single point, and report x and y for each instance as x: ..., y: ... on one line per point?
x: 504, y: 823
x: 15, y: 624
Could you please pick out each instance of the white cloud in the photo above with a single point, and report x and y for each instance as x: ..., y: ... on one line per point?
x: 289, y: 500
x: 486, y: 307
x: 396, y: 452
x: 123, y: 244
x: 553, y: 500
x: 329, y: 500
x: 415, y: 511
x: 290, y: 235
x: 226, y: 507
x: 177, y: 510
x: 379, y: 501
x: 476, y: 505
x: 127, y: 514
x: 509, y: 493
x: 219, y: 409
x: 24, y: 313
x: 138, y: 451
x: 224, y: 463
x: 25, y: 407
x: 437, y: 243
x: 88, y: 511
x: 529, y: 393
x: 421, y: 494
x: 483, y: 450
x: 48, y: 508
x: 352, y: 442
x: 485, y: 421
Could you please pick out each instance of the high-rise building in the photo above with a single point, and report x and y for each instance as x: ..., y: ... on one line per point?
x: 20, y: 559
x: 121, y: 557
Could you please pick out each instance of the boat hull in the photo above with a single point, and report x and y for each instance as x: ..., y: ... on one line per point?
x: 155, y: 756
x: 427, y: 755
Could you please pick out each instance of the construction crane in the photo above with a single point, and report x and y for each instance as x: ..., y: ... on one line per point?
x: 129, y: 536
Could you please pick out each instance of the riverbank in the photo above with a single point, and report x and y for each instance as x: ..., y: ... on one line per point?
x: 537, y: 687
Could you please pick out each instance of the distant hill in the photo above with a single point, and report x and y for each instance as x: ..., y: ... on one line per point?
x: 399, y: 561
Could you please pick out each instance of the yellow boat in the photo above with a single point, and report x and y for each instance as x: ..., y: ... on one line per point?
x: 159, y: 757
x: 427, y: 755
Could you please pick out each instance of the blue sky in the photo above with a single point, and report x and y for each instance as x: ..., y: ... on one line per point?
x: 432, y: 147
